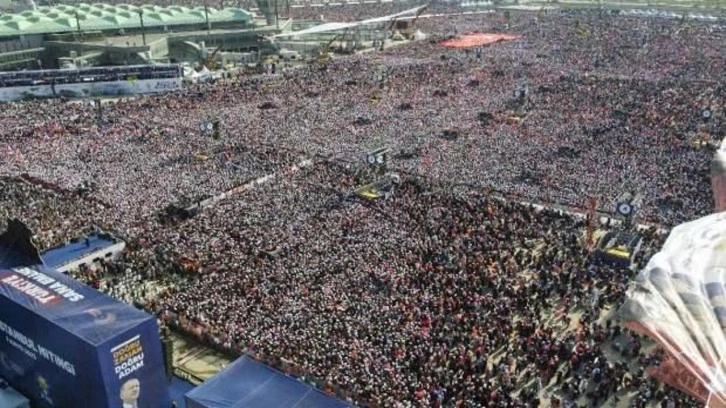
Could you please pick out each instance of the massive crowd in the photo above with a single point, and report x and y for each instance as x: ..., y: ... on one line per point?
x: 412, y: 300
x: 440, y: 295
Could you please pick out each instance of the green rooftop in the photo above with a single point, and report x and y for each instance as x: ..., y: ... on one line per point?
x: 107, y: 17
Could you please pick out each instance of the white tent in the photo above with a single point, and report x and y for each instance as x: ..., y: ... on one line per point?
x: 679, y: 300
x: 328, y: 27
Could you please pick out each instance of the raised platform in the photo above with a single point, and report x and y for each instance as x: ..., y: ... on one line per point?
x: 68, y: 256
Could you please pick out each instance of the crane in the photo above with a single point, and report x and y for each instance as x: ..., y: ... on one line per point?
x: 415, y: 17
x: 324, y: 55
x: 406, y: 28
x: 209, y: 59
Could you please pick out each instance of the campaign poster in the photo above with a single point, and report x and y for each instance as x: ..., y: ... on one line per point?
x: 64, y: 344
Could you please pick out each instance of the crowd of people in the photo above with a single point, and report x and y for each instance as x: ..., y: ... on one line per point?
x: 429, y: 298
x: 440, y: 294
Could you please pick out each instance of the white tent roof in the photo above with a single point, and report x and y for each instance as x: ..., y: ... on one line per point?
x: 678, y: 301
x: 323, y: 28
x: 328, y: 27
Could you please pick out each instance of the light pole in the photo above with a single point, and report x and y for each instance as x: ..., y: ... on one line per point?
x: 80, y: 46
x: 206, y: 17
x: 277, y: 17
x: 78, y: 23
x: 143, y: 29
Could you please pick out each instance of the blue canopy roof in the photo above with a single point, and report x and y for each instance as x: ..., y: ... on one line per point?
x: 248, y: 383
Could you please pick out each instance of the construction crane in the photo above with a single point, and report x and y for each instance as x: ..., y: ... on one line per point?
x: 404, y: 27
x: 208, y: 59
x: 324, y: 54
x: 270, y: 51
x: 409, y: 31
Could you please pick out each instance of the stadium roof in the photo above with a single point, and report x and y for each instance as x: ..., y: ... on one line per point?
x: 102, y: 17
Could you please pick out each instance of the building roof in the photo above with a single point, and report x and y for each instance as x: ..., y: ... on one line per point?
x: 102, y: 17
x: 249, y: 383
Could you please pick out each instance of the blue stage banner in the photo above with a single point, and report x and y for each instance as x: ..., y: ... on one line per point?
x: 64, y: 344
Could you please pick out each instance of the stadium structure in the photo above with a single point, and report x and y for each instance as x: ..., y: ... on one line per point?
x: 85, y: 35
x: 92, y: 50
x: 96, y: 50
x: 101, y: 34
